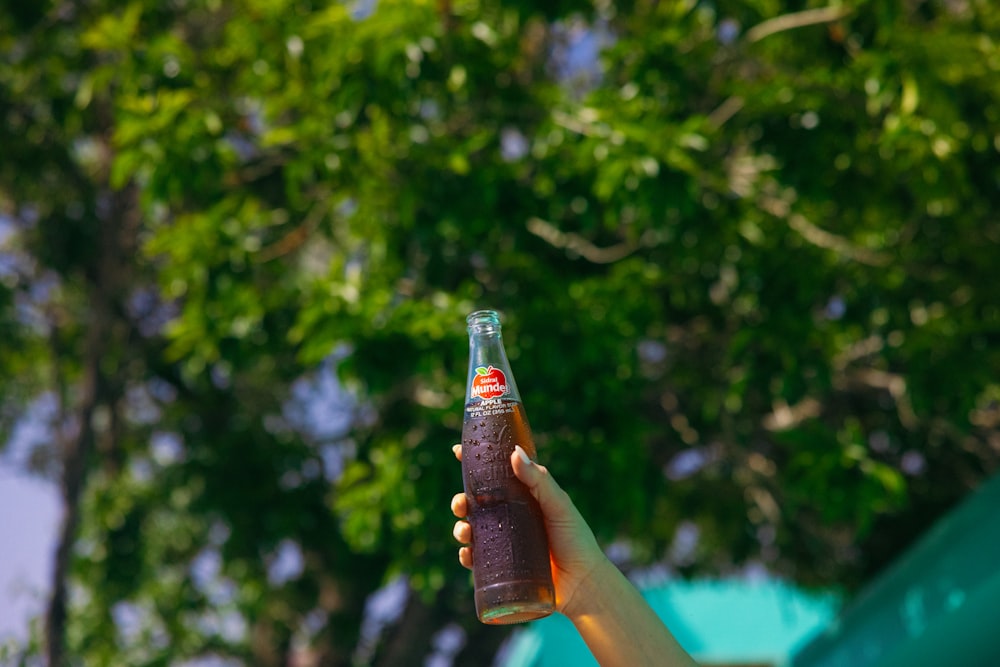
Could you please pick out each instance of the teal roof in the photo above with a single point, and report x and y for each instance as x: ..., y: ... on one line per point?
x: 716, y: 621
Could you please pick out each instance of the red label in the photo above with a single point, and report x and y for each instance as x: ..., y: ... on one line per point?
x: 489, y: 383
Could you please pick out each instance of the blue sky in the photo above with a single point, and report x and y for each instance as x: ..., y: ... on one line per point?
x: 29, y: 520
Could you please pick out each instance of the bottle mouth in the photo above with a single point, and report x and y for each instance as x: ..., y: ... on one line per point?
x: 483, y: 321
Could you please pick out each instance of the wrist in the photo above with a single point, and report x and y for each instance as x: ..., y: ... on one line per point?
x: 590, y: 592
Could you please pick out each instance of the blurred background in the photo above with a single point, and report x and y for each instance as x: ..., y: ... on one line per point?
x: 745, y: 252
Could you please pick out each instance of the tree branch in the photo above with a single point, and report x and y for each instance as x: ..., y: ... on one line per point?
x: 581, y: 246
x: 784, y: 417
x: 820, y: 237
x: 796, y: 20
x: 296, y: 237
x: 824, y: 239
x: 895, y: 384
x: 729, y: 108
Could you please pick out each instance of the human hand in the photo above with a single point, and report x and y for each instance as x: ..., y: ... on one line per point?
x: 617, y: 624
x: 573, y: 550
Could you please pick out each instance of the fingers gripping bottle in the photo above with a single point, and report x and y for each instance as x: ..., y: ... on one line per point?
x: 510, y: 549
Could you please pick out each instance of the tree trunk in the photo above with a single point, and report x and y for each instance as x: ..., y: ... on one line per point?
x: 76, y: 451
x: 408, y: 641
x: 482, y: 643
x: 106, y: 276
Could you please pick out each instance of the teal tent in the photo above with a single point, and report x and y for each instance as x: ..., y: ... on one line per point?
x: 725, y: 622
x: 938, y: 604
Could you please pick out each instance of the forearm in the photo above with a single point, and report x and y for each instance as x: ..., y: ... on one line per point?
x: 619, y: 626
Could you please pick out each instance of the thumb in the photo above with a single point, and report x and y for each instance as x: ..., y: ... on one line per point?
x: 553, y: 500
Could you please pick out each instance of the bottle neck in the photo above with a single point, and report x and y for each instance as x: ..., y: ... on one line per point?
x: 486, y: 349
x: 490, y: 376
x: 483, y: 322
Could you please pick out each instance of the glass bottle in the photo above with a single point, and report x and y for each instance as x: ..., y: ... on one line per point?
x: 511, y: 568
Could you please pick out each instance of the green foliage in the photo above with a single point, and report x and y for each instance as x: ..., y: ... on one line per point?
x: 745, y: 264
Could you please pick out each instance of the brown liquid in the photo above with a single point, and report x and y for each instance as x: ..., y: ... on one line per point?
x: 510, y: 549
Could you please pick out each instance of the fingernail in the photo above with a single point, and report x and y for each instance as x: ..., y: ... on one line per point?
x: 522, y: 454
x: 456, y: 448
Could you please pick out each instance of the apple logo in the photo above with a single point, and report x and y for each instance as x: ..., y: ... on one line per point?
x: 489, y: 382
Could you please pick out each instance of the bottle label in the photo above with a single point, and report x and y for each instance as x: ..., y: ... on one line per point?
x: 489, y: 382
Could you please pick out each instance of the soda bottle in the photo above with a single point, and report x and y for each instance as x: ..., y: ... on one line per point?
x: 510, y: 548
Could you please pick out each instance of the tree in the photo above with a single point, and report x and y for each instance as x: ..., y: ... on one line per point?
x: 744, y: 257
